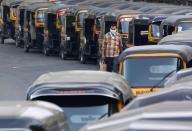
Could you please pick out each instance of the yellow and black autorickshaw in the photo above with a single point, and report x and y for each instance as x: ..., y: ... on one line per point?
x: 70, y: 35
x: 34, y: 23
x: 147, y: 67
x: 8, y: 14
x: 19, y: 23
x: 174, y: 24
x: 84, y: 98
x: 88, y: 38
x: 70, y: 32
x: 55, y: 20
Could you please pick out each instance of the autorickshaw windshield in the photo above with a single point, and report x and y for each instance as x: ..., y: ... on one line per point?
x: 124, y: 25
x: 148, y: 71
x: 184, y: 26
x: 83, y: 109
x: 155, y: 30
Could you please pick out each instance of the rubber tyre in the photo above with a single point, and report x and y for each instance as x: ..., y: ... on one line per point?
x: 2, y: 40
x: 83, y: 59
x: 25, y: 47
x: 45, y: 50
x: 62, y: 55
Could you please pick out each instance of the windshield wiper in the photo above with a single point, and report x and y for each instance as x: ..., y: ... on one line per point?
x: 104, y: 115
x: 163, y: 79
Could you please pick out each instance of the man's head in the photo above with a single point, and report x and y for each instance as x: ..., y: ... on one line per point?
x: 113, y: 28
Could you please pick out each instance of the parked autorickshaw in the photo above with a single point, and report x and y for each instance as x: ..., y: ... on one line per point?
x: 174, y: 24
x: 32, y: 116
x: 181, y: 38
x: 84, y: 98
x: 19, y: 23
x: 147, y: 67
x: 7, y: 19
x: 88, y: 38
x: 70, y: 31
x: 55, y: 19
x: 144, y: 29
x: 164, y: 116
x: 34, y: 23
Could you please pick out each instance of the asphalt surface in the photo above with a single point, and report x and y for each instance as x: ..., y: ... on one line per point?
x: 18, y: 69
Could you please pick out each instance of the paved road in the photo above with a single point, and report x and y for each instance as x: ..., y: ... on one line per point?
x: 18, y: 69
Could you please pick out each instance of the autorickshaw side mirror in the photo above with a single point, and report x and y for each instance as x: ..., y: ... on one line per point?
x: 144, y: 33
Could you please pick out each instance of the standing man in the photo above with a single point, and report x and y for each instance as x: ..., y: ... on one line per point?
x: 111, y: 48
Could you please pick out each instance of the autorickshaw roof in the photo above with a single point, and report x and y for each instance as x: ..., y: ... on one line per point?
x: 25, y: 4
x: 56, y: 8
x: 182, y: 50
x: 167, y: 10
x: 127, y: 12
x: 168, y: 110
x: 181, y: 38
x: 74, y: 79
x: 182, y: 12
x: 36, y: 6
x: 31, y: 113
x: 151, y: 17
x: 11, y: 2
x: 144, y: 125
x: 176, y: 19
x: 179, y: 91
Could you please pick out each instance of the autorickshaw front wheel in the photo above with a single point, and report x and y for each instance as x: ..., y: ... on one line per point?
x: 83, y: 58
x: 2, y: 40
x: 45, y: 50
x: 26, y: 45
x: 62, y: 54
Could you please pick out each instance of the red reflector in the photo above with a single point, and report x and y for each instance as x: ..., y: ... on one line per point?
x: 62, y: 12
x: 71, y: 91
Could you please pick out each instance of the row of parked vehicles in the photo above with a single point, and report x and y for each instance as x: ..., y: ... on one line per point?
x: 72, y: 28
x: 78, y: 30
x: 98, y: 101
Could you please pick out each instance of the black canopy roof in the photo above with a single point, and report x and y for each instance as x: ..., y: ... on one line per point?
x: 181, y: 38
x: 36, y: 6
x: 175, y: 19
x: 82, y: 80
x: 184, y: 51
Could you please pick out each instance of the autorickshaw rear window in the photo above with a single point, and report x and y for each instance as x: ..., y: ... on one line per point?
x: 81, y: 110
x: 40, y: 16
x: 148, y: 71
x: 98, y: 24
x: 15, y: 11
x: 80, y: 20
